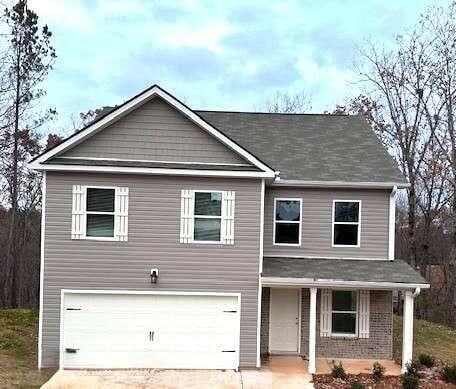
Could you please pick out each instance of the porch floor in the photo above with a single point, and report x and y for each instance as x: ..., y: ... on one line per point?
x: 295, y: 364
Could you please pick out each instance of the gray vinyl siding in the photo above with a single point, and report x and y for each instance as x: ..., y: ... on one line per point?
x: 155, y: 131
x: 316, y: 231
x: 153, y: 241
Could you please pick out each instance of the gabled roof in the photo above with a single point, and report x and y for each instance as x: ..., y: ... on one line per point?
x: 306, y: 149
x: 311, y: 147
x: 41, y: 162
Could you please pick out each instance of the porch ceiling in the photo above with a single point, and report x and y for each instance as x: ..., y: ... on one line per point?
x: 339, y: 272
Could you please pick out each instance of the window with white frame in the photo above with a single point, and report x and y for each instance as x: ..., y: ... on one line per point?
x: 207, y: 216
x: 100, y: 212
x: 344, y: 313
x: 346, y: 223
x: 287, y: 221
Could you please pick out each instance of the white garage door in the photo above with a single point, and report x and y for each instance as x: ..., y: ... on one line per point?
x: 150, y: 331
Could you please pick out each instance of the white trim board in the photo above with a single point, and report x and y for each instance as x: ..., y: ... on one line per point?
x: 260, y: 270
x: 43, y: 225
x: 392, y: 224
x: 338, y: 284
x: 339, y: 184
x: 157, y: 292
x: 134, y: 103
x: 324, y: 257
x: 151, y: 171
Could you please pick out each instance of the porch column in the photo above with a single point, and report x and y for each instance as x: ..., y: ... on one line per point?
x: 407, y: 330
x: 312, y: 329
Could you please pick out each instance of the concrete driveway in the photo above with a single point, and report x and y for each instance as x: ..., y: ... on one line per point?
x: 189, y: 379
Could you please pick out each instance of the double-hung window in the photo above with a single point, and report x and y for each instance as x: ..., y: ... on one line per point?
x: 287, y: 221
x: 208, y: 217
x: 346, y: 223
x: 344, y: 313
x: 100, y: 212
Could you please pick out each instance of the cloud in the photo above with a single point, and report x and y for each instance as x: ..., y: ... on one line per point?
x: 207, y: 36
x: 72, y: 14
x: 216, y: 55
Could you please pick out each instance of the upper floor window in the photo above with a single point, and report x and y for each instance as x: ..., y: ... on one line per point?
x: 208, y: 216
x: 346, y: 223
x: 344, y: 313
x: 287, y: 221
x: 100, y: 212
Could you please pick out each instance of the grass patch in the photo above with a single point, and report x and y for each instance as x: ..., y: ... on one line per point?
x: 428, y: 338
x: 18, y: 350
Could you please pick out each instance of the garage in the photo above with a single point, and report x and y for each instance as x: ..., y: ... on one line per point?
x: 110, y: 330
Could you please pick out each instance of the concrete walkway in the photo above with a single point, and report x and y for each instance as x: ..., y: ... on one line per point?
x: 278, y: 373
x: 144, y: 378
x: 357, y: 366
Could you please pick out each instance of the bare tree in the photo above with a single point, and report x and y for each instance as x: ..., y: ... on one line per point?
x: 440, y: 24
x: 282, y: 102
x: 85, y: 118
x: 401, y: 83
x: 26, y: 62
x: 409, y: 99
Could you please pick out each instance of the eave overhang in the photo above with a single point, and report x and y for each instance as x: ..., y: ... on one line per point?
x: 338, y: 284
x: 150, y: 171
x: 338, y: 184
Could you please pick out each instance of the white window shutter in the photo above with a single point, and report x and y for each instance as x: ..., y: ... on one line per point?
x: 363, y: 313
x: 187, y: 210
x: 227, y: 227
x: 121, y: 214
x: 325, y: 312
x: 78, y: 215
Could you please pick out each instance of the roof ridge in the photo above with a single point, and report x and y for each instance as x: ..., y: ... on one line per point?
x: 276, y: 113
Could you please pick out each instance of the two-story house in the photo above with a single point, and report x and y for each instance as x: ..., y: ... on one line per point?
x: 174, y: 238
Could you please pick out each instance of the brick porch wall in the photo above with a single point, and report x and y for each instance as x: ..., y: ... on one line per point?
x: 379, y: 345
x: 264, y: 331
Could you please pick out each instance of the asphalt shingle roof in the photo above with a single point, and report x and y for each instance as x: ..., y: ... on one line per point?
x: 310, y: 147
x: 396, y: 271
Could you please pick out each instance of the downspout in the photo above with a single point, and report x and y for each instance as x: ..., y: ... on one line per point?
x: 392, y: 223
x: 416, y: 292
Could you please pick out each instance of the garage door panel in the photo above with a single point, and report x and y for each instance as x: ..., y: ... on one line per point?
x: 164, y: 331
x: 144, y: 361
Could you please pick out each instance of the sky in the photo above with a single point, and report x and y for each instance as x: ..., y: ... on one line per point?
x: 220, y: 55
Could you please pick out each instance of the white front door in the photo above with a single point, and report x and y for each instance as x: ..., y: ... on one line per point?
x: 102, y: 330
x: 284, y: 321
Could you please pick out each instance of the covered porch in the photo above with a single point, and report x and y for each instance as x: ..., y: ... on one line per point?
x: 319, y: 310
x: 297, y: 364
